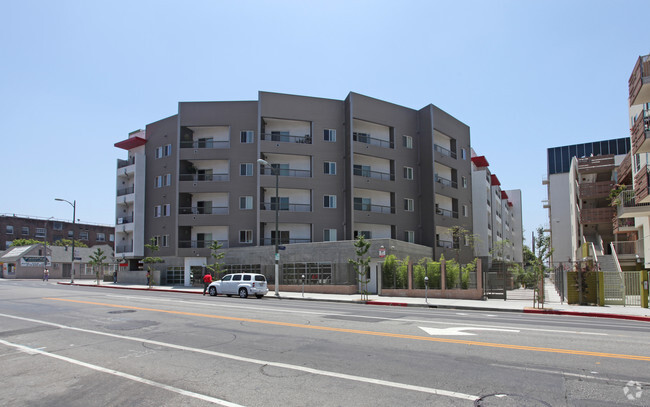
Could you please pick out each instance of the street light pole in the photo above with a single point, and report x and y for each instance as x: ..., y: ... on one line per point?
x: 74, y: 215
x: 275, y: 171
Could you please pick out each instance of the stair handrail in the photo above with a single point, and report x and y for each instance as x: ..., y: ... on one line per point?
x: 615, y: 256
x: 593, y: 251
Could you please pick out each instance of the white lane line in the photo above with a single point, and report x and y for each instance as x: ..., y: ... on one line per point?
x: 275, y: 311
x: 559, y: 372
x: 260, y: 362
x: 33, y: 351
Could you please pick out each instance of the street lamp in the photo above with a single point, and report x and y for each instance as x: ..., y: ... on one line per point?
x: 275, y: 171
x: 74, y: 214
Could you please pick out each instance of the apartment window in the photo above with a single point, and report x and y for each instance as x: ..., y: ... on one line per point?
x: 283, y: 202
x: 25, y: 231
x: 329, y: 167
x: 362, y: 170
x: 245, y: 236
x: 464, y: 181
x: 465, y: 211
x: 157, y: 211
x: 57, y: 226
x: 247, y: 136
x: 463, y: 154
x: 365, y: 233
x: 164, y: 241
x: 408, y: 173
x: 167, y: 150
x: 71, y: 234
x: 409, y: 236
x: 168, y: 180
x: 159, y: 152
x: 407, y: 141
x: 166, y: 210
x: 466, y: 238
x: 329, y: 135
x: 408, y: 204
x: 10, y: 230
x: 101, y: 237
x: 246, y: 169
x: 83, y: 235
x: 158, y: 182
x: 362, y: 204
x: 40, y: 232
x: 156, y: 241
x: 245, y: 202
x: 111, y: 237
x: 329, y: 235
x: 329, y: 201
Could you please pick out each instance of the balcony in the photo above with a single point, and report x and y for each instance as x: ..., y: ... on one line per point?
x: 625, y: 170
x: 125, y: 191
x: 284, y: 206
x: 368, y: 207
x: 124, y: 220
x: 447, y: 244
x: 623, y: 225
x: 286, y: 137
x: 383, y: 176
x: 593, y: 165
x: 286, y: 172
x: 201, y: 210
x: 283, y: 240
x: 445, y: 181
x: 641, y: 132
x: 444, y: 151
x: 447, y: 213
x: 368, y: 139
x: 200, y: 244
x: 124, y: 248
x: 204, y: 177
x: 125, y: 163
x: 209, y: 143
x: 641, y: 186
x: 628, y: 206
x: 596, y: 215
x: 593, y: 190
x: 639, y: 82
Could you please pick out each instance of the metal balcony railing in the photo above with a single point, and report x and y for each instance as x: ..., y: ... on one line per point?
x: 368, y: 139
x: 125, y: 191
x: 444, y: 151
x: 286, y: 138
x: 285, y: 172
x: 384, y: 176
x: 271, y: 242
x: 204, y: 144
x: 445, y: 181
x: 195, y: 210
x: 447, y: 213
x: 204, y: 177
x: 373, y: 208
x: 270, y: 206
x: 200, y: 244
x: 125, y: 163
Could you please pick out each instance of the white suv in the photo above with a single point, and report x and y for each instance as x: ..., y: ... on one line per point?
x: 241, y: 284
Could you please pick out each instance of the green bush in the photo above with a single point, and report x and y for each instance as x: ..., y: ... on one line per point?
x: 419, y: 271
x: 388, y: 271
x: 402, y: 273
x: 466, y: 271
x: 452, y: 274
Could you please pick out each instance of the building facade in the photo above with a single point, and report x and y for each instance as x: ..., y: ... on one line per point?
x: 14, y: 227
x: 359, y: 166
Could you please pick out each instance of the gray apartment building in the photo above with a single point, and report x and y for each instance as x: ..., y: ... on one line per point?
x: 400, y: 177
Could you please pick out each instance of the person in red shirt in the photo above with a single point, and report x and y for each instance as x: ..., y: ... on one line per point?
x: 207, y: 280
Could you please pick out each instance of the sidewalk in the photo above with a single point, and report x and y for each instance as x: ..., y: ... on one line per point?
x: 553, y: 304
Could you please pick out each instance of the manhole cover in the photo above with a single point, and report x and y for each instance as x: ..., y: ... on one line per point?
x: 503, y: 400
x: 122, y: 311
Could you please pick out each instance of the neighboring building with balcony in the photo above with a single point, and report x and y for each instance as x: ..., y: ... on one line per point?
x: 579, y: 180
x: 497, y: 216
x: 345, y: 168
x: 13, y: 227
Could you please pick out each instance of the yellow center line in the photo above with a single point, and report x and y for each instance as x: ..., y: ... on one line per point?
x: 373, y: 333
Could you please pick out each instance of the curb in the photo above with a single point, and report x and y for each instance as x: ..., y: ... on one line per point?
x: 586, y: 314
x: 133, y: 288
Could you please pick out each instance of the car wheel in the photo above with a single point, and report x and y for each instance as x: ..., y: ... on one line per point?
x: 259, y: 296
x: 213, y: 291
x: 243, y: 293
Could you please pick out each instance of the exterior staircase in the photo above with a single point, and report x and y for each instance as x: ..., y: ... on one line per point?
x: 607, y: 263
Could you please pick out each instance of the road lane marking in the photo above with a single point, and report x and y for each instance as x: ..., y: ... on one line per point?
x: 559, y: 372
x: 283, y: 310
x: 460, y: 330
x: 371, y: 333
x: 260, y: 362
x: 34, y: 351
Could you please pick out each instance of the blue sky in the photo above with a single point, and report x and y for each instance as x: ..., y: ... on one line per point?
x: 78, y: 76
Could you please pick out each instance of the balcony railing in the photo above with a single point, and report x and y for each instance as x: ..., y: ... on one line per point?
x: 196, y: 210
x: 286, y: 172
x: 444, y: 151
x: 445, y: 181
x: 447, y: 244
x: 619, y: 223
x: 204, y: 177
x: 124, y: 248
x: 640, y: 131
x: 373, y: 208
x: 200, y: 244
x: 286, y: 138
x: 627, y: 247
x: 447, y: 213
x: 596, y: 215
x: 125, y: 191
x: 270, y: 206
x: 124, y: 220
x: 590, y: 165
x: 368, y: 139
x: 384, y: 176
x: 596, y: 189
x: 271, y: 242
x: 641, y: 70
x: 125, y: 163
x: 625, y: 170
x: 641, y: 185
x: 204, y: 144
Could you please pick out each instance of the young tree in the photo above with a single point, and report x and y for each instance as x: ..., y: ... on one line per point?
x: 151, y: 260
x: 25, y: 242
x: 362, y: 264
x: 544, y: 251
x: 215, y: 268
x: 461, y: 236
x: 68, y: 242
x: 97, y: 261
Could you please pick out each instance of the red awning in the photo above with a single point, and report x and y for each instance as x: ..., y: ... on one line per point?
x: 494, y: 180
x: 130, y: 143
x: 504, y: 195
x: 480, y: 161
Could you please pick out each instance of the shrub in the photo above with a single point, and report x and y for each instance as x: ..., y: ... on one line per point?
x: 388, y: 271
x: 402, y: 273
x: 452, y: 274
x: 466, y: 271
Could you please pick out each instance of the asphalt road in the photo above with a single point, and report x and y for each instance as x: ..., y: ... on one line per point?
x: 83, y: 346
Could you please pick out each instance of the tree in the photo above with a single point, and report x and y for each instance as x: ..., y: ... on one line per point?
x: 68, y: 242
x: 151, y: 260
x: 215, y: 268
x: 25, y: 242
x: 544, y: 252
x: 362, y: 264
x: 97, y: 261
x: 461, y: 236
